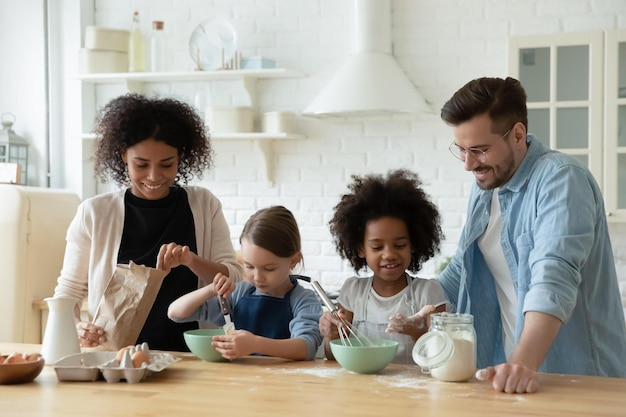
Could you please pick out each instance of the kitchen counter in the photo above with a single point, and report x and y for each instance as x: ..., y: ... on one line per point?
x: 262, y: 386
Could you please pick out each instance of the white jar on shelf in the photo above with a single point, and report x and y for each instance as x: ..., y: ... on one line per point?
x: 278, y: 122
x: 226, y: 119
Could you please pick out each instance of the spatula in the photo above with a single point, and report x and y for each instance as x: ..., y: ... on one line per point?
x: 229, y: 326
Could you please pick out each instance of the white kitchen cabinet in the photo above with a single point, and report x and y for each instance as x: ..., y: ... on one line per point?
x: 615, y: 123
x: 137, y: 83
x: 572, y: 81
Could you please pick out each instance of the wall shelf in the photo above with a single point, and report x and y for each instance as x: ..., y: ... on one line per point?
x: 135, y: 80
x: 264, y: 142
x: 179, y: 76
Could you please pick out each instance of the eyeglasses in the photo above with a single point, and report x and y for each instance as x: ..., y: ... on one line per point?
x: 479, y: 154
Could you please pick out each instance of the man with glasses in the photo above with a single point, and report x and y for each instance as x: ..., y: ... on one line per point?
x: 534, y: 264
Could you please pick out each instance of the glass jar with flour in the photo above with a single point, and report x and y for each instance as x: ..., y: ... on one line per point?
x: 448, y: 350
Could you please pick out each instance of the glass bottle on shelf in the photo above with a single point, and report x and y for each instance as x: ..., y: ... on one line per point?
x: 136, y: 59
x: 157, y: 47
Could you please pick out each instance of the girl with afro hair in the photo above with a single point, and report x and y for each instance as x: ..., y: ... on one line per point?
x: 389, y: 226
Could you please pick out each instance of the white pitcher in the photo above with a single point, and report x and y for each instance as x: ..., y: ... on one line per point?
x: 61, y: 337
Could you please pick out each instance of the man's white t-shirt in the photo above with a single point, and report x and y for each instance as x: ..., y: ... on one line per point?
x: 491, y: 248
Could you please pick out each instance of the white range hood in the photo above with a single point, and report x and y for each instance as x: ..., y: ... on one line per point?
x: 370, y: 82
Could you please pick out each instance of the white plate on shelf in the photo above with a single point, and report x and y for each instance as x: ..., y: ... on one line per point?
x: 209, y: 41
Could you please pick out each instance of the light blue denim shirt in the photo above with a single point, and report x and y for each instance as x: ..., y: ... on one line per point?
x: 556, y: 244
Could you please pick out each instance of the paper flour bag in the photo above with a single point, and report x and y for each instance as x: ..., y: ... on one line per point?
x: 126, y: 303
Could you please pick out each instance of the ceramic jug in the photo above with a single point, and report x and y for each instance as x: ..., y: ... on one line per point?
x: 61, y: 337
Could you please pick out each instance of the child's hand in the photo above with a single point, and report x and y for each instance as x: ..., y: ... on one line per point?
x: 330, y: 325
x: 235, y: 345
x: 401, y: 324
x: 223, y: 285
x: 414, y: 326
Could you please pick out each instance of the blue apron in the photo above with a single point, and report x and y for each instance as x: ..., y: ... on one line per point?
x: 264, y: 315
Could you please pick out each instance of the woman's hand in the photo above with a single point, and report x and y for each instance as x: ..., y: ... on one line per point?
x: 172, y: 255
x: 90, y: 335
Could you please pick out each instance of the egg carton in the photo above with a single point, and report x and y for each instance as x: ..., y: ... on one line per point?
x: 90, y: 366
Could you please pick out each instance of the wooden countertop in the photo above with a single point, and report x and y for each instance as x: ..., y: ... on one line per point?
x: 261, y: 386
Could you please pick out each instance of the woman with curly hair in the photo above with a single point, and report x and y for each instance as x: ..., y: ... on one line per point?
x: 389, y: 225
x: 151, y: 148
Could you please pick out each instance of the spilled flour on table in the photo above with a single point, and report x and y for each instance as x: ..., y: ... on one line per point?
x: 423, y: 385
x: 414, y: 382
x: 322, y: 372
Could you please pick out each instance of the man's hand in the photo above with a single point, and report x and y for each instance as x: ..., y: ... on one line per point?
x: 519, y: 375
x: 510, y: 378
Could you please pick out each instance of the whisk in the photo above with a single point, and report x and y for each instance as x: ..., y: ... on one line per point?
x: 349, y: 336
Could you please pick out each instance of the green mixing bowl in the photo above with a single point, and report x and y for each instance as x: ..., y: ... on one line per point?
x: 364, y: 358
x: 199, y: 342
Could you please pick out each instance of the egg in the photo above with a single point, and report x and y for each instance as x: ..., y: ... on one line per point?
x: 14, y: 358
x: 140, y: 357
x: 120, y: 353
x: 31, y: 357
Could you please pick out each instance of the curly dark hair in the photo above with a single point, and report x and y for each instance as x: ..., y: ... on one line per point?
x: 129, y: 119
x: 400, y: 196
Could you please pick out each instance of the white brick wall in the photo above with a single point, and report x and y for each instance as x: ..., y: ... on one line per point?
x: 440, y: 44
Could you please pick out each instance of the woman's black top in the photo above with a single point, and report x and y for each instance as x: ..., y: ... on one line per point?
x: 148, y: 224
